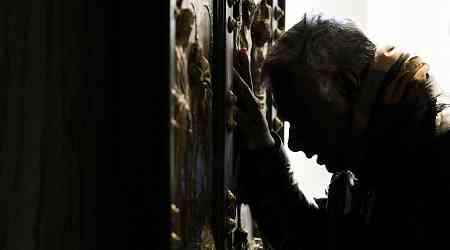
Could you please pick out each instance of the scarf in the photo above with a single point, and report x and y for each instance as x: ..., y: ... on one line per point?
x: 394, y: 77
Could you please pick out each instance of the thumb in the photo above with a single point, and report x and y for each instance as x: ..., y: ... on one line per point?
x: 244, y: 67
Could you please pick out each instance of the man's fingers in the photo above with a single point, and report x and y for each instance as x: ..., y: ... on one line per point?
x: 244, y: 67
x: 243, y: 92
x: 238, y: 79
x: 243, y: 121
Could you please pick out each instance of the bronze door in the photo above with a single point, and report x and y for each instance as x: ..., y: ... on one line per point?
x: 206, y: 37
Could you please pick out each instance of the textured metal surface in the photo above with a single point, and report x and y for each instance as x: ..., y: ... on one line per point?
x: 207, y: 35
x: 192, y: 127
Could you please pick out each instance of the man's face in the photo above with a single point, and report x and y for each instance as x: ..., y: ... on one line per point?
x: 319, y: 115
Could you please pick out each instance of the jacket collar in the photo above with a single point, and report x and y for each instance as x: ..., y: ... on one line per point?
x: 393, y: 77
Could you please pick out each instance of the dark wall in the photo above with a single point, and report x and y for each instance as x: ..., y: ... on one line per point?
x: 141, y: 214
x: 55, y: 120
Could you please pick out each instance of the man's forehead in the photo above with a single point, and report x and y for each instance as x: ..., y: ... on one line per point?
x: 303, y: 83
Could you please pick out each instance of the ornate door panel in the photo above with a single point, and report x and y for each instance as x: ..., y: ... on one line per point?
x: 209, y: 37
x: 278, y: 27
x: 192, y: 153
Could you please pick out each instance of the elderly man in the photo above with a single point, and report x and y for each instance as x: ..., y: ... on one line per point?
x: 375, y: 118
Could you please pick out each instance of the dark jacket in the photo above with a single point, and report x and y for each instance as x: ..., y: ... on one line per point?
x: 399, y: 199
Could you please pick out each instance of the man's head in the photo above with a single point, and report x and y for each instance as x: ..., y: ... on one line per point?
x: 315, y: 70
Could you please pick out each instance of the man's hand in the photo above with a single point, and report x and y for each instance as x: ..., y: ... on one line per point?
x: 252, y: 125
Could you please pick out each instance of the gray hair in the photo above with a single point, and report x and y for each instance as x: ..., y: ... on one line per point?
x: 316, y: 47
